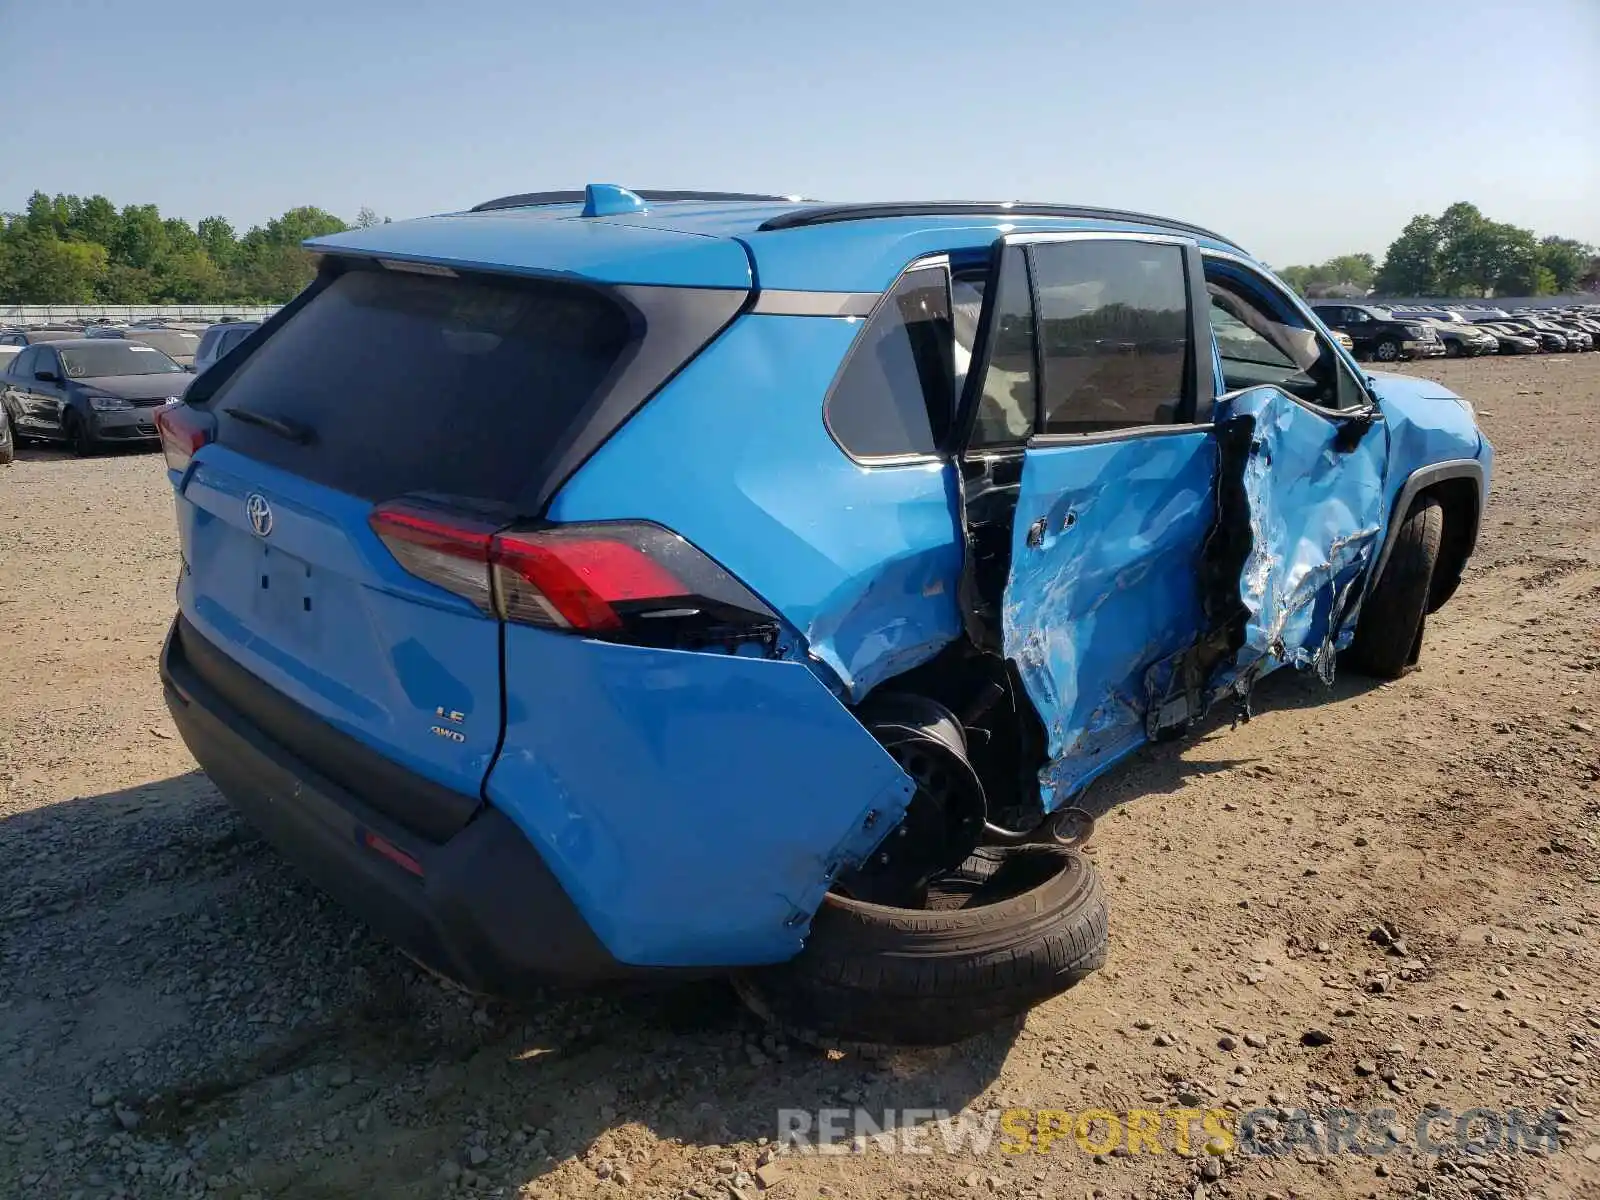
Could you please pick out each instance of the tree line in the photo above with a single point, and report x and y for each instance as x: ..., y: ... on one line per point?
x: 84, y: 250
x: 69, y: 249
x: 1461, y: 252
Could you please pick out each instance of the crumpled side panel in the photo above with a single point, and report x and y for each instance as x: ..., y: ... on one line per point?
x: 1109, y: 587
x: 1316, y: 509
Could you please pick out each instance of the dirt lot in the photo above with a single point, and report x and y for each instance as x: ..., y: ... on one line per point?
x: 179, y: 1014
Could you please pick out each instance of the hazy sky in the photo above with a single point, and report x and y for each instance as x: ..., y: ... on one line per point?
x: 1300, y: 129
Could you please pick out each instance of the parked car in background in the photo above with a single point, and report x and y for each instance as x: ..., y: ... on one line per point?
x: 1550, y: 340
x: 90, y: 392
x: 546, y: 698
x: 1578, y: 338
x: 1460, y: 340
x: 176, y: 343
x: 1379, y: 333
x: 218, y: 339
x: 13, y: 340
x: 1512, y: 341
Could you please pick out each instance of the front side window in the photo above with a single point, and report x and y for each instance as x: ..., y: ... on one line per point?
x: 25, y: 366
x: 896, y: 394
x: 1114, y: 331
x: 1263, y: 339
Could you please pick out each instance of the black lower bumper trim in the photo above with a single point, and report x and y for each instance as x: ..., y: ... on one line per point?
x: 486, y: 909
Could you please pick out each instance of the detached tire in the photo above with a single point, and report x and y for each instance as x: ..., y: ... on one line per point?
x: 1388, y: 639
x: 876, y: 975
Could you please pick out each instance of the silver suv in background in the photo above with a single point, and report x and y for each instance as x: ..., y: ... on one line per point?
x: 218, y: 339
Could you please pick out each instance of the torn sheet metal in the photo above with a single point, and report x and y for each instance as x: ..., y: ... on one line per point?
x: 1314, y: 487
x: 1103, y: 584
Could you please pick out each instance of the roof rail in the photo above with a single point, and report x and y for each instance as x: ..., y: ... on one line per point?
x: 829, y: 214
x: 527, y: 199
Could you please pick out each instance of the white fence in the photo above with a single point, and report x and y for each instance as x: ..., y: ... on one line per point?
x: 44, y: 314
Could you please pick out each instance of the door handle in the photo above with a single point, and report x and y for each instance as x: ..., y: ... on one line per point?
x: 1036, y: 533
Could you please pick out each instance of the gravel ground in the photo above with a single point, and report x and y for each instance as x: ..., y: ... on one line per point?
x: 1369, y: 895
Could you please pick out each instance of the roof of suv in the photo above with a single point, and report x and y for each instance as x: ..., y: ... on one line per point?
x: 726, y: 242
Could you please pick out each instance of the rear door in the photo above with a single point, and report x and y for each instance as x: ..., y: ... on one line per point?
x: 383, y: 385
x: 1116, y: 489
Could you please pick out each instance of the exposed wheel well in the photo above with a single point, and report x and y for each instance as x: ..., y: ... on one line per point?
x: 1459, y: 500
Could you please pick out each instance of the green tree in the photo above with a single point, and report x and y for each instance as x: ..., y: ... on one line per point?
x: 1566, y: 259
x: 217, y: 238
x: 1412, y: 265
x: 142, y: 240
x: 43, y: 269
x: 97, y: 221
x: 191, y: 277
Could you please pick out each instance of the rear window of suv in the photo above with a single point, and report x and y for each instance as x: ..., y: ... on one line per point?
x: 402, y: 383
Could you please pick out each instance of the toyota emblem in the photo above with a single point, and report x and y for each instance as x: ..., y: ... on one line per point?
x: 259, y: 512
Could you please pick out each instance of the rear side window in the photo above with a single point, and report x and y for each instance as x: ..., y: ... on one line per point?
x: 896, y: 394
x: 399, y: 382
x: 1009, y: 396
x: 1115, y: 332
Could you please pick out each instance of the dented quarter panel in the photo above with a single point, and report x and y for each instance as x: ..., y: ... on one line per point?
x: 691, y: 804
x: 862, y: 560
x: 1112, y: 588
x: 1316, y: 515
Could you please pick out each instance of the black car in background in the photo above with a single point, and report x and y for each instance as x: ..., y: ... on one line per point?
x: 90, y: 392
x: 1379, y: 333
x: 1512, y: 341
x: 1549, y: 340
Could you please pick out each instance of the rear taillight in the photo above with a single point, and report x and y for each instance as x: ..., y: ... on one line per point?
x: 183, y: 431
x: 629, y: 581
x: 443, y: 548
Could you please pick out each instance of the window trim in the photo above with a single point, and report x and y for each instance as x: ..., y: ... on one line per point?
x: 1199, y: 384
x: 1345, y: 360
x: 914, y: 458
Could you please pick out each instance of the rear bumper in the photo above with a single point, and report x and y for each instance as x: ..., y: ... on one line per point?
x: 482, y: 907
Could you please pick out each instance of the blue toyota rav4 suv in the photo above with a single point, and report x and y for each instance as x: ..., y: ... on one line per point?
x: 603, y: 584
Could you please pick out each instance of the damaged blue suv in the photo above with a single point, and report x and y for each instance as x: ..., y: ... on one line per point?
x: 601, y: 585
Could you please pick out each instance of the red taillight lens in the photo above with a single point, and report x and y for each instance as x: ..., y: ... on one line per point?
x: 443, y: 548
x: 624, y: 580
x: 183, y: 431
x: 576, y: 578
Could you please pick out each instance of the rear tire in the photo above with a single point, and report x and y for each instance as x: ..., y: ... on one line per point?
x: 1033, y: 926
x: 1388, y: 641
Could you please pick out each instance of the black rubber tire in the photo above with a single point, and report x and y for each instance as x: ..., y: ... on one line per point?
x: 1388, y: 641
x: 8, y: 447
x: 877, y: 976
x: 1453, y: 350
x: 77, y: 436
x: 1395, y: 353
